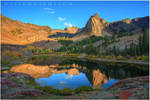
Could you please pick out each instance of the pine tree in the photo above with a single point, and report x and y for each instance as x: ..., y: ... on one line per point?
x: 116, y: 50
x: 125, y: 50
x: 144, y: 42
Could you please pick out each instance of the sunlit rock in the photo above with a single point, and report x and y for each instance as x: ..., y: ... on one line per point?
x: 33, y: 70
x: 73, y: 71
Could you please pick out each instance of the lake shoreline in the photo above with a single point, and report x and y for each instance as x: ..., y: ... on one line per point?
x: 100, y: 59
x: 121, y: 61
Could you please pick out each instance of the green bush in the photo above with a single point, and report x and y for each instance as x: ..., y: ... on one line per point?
x: 120, y: 58
x: 65, y: 42
x: 131, y: 59
x: 48, y: 89
x: 16, y: 80
x: 144, y: 58
x: 31, y: 82
x: 108, y: 57
x: 66, y: 91
x: 83, y: 89
x: 138, y: 58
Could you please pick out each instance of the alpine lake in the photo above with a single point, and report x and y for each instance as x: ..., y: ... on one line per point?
x: 72, y: 73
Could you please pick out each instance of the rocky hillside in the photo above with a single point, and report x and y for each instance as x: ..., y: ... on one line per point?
x: 16, y: 32
x: 72, y: 29
x: 127, y: 25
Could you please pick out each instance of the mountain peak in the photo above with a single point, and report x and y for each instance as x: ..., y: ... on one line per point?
x: 126, y: 20
x: 95, y: 25
x: 96, y: 16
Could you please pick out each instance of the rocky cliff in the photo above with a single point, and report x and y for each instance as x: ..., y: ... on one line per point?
x: 94, y: 26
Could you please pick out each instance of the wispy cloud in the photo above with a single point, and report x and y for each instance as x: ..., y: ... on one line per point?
x: 69, y: 77
x: 67, y: 24
x: 61, y: 18
x: 50, y: 10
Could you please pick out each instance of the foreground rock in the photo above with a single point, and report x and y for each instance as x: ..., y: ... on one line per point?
x: 14, y: 85
x: 130, y: 88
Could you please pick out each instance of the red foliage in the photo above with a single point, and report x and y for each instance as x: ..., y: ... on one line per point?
x: 29, y: 93
x: 126, y: 94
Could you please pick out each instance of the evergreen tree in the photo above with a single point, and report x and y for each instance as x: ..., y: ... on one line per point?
x: 116, y: 50
x: 133, y: 49
x: 125, y: 50
x: 144, y: 42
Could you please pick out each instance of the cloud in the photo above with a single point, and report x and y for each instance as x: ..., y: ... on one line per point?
x: 62, y: 82
x: 68, y: 24
x: 61, y: 18
x: 69, y: 77
x: 50, y: 10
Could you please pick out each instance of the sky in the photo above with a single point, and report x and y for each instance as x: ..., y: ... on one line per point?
x: 61, y: 14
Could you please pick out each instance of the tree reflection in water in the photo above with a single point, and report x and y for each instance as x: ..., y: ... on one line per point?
x: 96, y: 73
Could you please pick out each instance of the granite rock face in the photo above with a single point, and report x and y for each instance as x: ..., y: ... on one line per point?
x: 95, y: 25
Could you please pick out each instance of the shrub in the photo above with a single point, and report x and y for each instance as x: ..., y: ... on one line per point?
x: 108, y: 57
x: 6, y: 53
x: 16, y: 80
x: 48, y: 89
x: 31, y: 82
x: 82, y: 89
x: 65, y: 42
x: 30, y: 47
x: 144, y: 58
x: 131, y: 59
x: 66, y: 91
x: 138, y: 58
x: 49, y: 50
x: 93, y: 56
x: 7, y: 61
x: 16, y: 54
x: 16, y: 31
x: 120, y: 58
x: 24, y: 49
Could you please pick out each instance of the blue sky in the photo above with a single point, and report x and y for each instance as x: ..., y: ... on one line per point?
x: 59, y: 15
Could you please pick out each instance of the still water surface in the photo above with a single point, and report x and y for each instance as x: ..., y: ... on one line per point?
x: 73, y: 73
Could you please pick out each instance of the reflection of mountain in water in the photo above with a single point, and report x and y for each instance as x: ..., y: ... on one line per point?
x: 37, y: 71
x: 96, y: 73
x: 97, y: 78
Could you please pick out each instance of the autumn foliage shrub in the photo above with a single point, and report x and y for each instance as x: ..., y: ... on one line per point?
x: 120, y: 58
